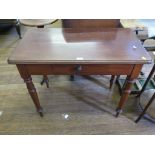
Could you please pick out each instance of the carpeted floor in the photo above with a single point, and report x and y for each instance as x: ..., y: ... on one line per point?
x: 83, y: 106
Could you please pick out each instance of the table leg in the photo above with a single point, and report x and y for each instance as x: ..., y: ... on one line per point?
x: 31, y: 88
x: 45, y: 80
x: 112, y: 80
x: 127, y: 88
x: 33, y: 93
x: 125, y: 94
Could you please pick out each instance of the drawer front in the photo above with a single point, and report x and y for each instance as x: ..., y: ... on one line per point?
x: 38, y: 69
x: 90, y: 69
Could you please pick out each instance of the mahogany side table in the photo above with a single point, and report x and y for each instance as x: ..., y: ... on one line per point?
x: 67, y: 51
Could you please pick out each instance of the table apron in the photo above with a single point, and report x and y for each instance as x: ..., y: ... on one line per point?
x: 80, y: 69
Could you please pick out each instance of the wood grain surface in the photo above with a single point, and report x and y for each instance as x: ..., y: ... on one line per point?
x: 98, y: 46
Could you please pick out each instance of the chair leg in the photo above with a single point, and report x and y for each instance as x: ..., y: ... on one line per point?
x: 71, y: 77
x: 18, y: 30
x: 112, y: 80
x: 45, y: 80
x: 145, y: 109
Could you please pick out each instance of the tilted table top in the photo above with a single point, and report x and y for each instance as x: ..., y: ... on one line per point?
x: 84, y: 46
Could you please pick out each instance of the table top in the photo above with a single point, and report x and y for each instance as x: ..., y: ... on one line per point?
x: 84, y: 46
x: 36, y: 22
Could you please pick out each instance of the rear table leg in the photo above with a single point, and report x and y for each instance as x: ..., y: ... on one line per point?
x: 112, y: 80
x: 45, y: 80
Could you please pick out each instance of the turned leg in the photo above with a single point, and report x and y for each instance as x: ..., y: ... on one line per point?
x: 45, y: 80
x: 125, y: 94
x: 112, y: 80
x: 33, y: 94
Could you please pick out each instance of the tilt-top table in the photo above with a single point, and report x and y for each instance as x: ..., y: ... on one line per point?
x: 68, y: 51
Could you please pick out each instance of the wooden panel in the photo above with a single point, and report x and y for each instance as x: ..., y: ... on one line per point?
x: 90, y: 23
x: 39, y: 69
x: 91, y: 69
x: 106, y: 69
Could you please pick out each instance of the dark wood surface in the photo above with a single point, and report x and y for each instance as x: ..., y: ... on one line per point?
x: 91, y: 23
x: 85, y: 69
x: 84, y: 46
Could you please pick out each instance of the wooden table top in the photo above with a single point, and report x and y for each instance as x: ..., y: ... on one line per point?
x: 84, y: 46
